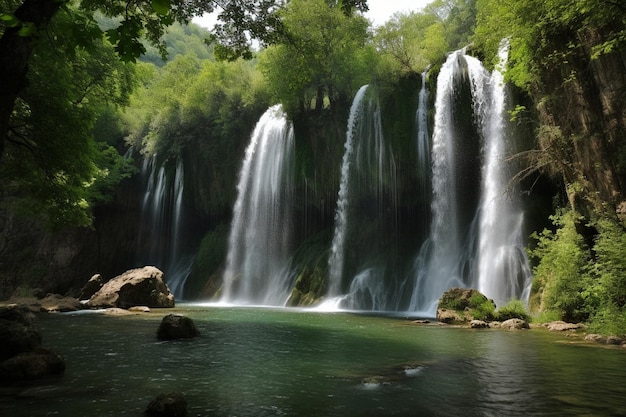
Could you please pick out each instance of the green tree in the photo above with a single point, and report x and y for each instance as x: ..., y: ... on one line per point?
x: 47, y: 112
x: 54, y: 168
x: 458, y: 18
x: 411, y: 42
x: 25, y: 23
x: 561, y: 275
x: 323, y: 58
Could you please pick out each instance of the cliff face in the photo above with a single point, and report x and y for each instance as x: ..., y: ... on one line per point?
x: 584, y: 98
x: 34, y: 257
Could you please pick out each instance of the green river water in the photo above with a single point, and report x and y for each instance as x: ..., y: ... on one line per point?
x: 279, y: 362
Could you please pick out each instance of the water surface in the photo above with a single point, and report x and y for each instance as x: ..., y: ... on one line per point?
x: 277, y: 362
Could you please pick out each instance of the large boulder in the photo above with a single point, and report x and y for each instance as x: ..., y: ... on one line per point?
x: 175, y: 326
x: 137, y: 287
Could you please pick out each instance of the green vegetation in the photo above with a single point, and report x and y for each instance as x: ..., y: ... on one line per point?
x: 514, y: 309
x: 579, y: 281
x: 53, y: 168
x: 323, y: 59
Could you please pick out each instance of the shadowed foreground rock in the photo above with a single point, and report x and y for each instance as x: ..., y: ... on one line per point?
x: 175, y: 326
x: 137, y: 287
x: 172, y: 404
x: 22, y: 358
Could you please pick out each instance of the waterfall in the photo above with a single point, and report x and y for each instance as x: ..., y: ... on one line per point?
x: 160, y: 233
x: 503, y: 271
x: 336, y: 259
x: 423, y: 154
x: 488, y: 252
x: 423, y: 138
x: 442, y: 250
x: 257, y: 264
x: 364, y: 249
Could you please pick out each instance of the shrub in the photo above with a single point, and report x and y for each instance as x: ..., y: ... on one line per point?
x: 561, y: 274
x: 514, y: 309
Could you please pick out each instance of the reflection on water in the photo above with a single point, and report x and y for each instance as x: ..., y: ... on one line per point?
x: 264, y: 362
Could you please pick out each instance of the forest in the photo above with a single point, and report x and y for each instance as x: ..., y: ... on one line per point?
x: 95, y: 93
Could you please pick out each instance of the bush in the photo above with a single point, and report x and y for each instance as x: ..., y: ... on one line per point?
x: 561, y: 275
x: 514, y: 309
x: 609, y: 320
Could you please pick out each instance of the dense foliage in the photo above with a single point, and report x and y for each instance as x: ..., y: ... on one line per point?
x: 580, y: 271
x: 53, y: 167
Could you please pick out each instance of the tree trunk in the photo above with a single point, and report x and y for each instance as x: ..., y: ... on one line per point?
x: 15, y: 52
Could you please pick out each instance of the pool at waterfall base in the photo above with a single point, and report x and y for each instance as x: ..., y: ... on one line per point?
x: 257, y: 361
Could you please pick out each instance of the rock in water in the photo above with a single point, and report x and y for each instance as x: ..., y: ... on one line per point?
x: 137, y: 287
x: 175, y: 326
x: 172, y: 404
x: 28, y: 366
x: 22, y: 358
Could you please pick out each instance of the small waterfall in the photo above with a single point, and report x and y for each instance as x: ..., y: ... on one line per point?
x: 503, y: 271
x: 336, y: 259
x: 257, y: 265
x: 364, y: 249
x: 160, y: 233
x: 423, y: 137
x: 423, y: 155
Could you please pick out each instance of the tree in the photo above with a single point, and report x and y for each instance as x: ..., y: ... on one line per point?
x: 25, y: 23
x: 324, y: 55
x: 412, y: 41
x: 50, y: 101
x: 53, y: 168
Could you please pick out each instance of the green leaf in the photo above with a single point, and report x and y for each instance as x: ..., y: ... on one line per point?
x: 161, y: 6
x: 9, y: 20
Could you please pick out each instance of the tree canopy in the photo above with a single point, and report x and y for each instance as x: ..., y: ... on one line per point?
x: 324, y: 55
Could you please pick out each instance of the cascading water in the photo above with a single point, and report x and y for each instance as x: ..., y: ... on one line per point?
x: 366, y: 217
x: 160, y: 232
x: 257, y: 265
x: 336, y: 259
x: 488, y: 254
x: 441, y: 252
x: 503, y: 271
x: 423, y: 138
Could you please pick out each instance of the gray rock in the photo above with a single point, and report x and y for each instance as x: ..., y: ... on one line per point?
x: 515, y: 324
x: 561, y: 326
x: 479, y: 324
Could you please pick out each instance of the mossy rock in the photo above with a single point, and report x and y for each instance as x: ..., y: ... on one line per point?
x: 310, y: 286
x: 462, y: 305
